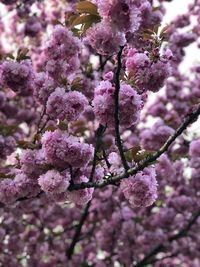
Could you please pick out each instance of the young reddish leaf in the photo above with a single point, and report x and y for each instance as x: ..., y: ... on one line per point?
x: 70, y: 19
x: 85, y: 19
x: 22, y: 54
x: 77, y: 84
x: 87, y: 7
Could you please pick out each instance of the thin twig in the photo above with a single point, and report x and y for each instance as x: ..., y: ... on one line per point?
x: 28, y: 198
x: 76, y: 238
x: 163, y: 258
x: 98, y: 135
x: 39, y: 131
x: 103, y: 63
x: 116, y: 113
x: 106, y: 159
x: 77, y: 233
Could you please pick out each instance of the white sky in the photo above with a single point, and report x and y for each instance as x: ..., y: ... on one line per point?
x: 178, y: 7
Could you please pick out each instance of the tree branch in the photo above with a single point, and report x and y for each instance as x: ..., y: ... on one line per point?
x: 103, y: 63
x: 163, y: 258
x: 98, y: 135
x: 116, y: 114
x: 112, y: 180
x: 108, y: 180
x: 177, y: 236
x: 184, y: 231
x: 106, y: 159
x: 77, y: 233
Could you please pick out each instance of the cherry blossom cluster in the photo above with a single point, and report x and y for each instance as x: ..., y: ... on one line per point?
x: 61, y: 53
x: 98, y: 163
x: 104, y: 105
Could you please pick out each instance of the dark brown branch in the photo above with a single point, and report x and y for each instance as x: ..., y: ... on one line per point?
x: 106, y: 159
x: 163, y: 258
x: 30, y: 198
x: 77, y: 233
x: 98, y: 135
x: 143, y: 163
x: 109, y: 180
x: 116, y: 113
x: 21, y: 199
x: 185, y: 230
x: 159, y: 248
x: 103, y: 63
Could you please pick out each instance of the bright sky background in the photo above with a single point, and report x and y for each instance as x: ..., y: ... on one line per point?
x: 193, y: 53
x: 178, y: 7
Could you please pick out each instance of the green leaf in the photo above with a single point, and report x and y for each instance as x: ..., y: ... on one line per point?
x: 37, y: 137
x: 76, y: 32
x: 63, y: 125
x: 27, y: 145
x: 7, y: 130
x: 159, y: 203
x: 86, y: 26
x: 163, y: 33
x: 142, y: 155
x: 136, y: 154
x: 69, y: 19
x: 131, y: 153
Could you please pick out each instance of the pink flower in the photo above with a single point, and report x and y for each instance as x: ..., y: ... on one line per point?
x: 8, y: 191
x: 18, y: 76
x: 44, y: 85
x: 54, y: 182
x: 82, y: 196
x: 66, y: 105
x: 63, y: 150
x: 123, y: 15
x: 32, y: 162
x: 153, y: 138
x: 104, y: 104
x: 100, y: 37
x: 61, y: 53
x: 140, y: 190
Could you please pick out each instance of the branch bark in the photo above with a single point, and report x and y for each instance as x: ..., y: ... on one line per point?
x: 159, y: 248
x: 98, y: 135
x: 75, y: 239
x: 109, y: 180
x: 116, y: 114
